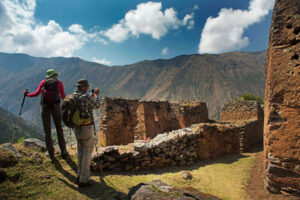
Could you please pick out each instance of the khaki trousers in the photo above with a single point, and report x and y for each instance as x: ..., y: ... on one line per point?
x: 85, y: 146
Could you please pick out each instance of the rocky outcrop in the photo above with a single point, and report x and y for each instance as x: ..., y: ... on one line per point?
x: 159, y: 190
x: 34, y: 143
x: 11, y: 148
x: 282, y: 100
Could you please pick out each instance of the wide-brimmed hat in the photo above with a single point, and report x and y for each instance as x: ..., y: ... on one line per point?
x: 82, y: 82
x: 50, y: 73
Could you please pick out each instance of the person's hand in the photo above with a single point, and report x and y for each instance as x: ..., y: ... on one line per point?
x: 93, y: 95
x: 97, y: 91
x: 26, y: 92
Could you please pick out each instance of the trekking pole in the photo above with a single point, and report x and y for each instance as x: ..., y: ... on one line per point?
x: 17, y: 120
x: 71, y: 138
x: 24, y: 97
x: 97, y: 147
x: 95, y: 135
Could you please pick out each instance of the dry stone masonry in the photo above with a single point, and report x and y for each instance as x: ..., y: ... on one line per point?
x: 118, y: 120
x: 163, y: 116
x: 239, y: 111
x: 124, y: 120
x: 200, y: 142
x: 282, y: 100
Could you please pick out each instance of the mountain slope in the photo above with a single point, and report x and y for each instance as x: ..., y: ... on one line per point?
x: 211, y: 78
x: 13, y: 128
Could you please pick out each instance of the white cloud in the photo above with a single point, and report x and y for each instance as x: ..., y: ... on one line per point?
x: 225, y: 32
x: 118, y: 33
x: 148, y: 18
x: 196, y: 7
x: 188, y: 20
x: 20, y: 32
x: 101, y: 61
x: 164, y: 51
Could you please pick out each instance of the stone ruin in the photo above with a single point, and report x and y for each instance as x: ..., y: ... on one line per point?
x: 239, y: 111
x: 241, y: 121
x: 282, y: 100
x: 124, y: 120
x: 180, y: 134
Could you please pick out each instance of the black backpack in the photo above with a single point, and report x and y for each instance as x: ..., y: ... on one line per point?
x: 50, y: 92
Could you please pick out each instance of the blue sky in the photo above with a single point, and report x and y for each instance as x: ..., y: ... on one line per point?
x: 119, y: 32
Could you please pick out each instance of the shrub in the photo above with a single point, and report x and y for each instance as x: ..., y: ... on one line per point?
x: 252, y: 97
x: 20, y: 140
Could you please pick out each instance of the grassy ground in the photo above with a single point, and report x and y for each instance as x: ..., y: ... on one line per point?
x: 35, y: 177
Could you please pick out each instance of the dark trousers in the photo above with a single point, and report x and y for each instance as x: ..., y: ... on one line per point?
x: 55, y: 111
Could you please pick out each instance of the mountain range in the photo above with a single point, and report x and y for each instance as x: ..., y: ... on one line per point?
x: 215, y: 79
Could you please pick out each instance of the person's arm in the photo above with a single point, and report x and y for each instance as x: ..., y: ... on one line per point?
x: 62, y: 90
x: 94, y: 101
x: 38, y: 90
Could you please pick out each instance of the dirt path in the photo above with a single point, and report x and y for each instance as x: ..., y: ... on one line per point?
x: 255, y: 189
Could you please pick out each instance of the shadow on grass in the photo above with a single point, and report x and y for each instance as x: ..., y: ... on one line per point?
x: 64, y: 172
x: 100, y: 190
x: 71, y: 163
x: 225, y: 159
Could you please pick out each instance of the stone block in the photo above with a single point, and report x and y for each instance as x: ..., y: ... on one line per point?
x: 282, y: 105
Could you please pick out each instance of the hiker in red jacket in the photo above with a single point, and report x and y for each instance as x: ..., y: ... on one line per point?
x: 52, y: 91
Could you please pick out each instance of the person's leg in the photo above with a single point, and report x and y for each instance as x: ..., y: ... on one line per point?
x: 88, y: 146
x: 46, y: 118
x: 56, y: 114
x: 79, y: 151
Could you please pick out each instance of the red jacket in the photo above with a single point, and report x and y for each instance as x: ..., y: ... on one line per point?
x: 38, y: 91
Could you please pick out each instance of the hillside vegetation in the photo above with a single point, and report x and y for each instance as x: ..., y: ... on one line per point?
x: 13, y: 128
x: 215, y: 79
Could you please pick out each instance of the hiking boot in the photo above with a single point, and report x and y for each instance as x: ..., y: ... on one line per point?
x: 54, y: 161
x: 65, y: 155
x: 89, y: 183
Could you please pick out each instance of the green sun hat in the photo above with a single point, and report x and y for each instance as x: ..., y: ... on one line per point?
x: 50, y: 73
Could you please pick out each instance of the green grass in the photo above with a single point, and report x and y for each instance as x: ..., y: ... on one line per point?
x: 35, y: 177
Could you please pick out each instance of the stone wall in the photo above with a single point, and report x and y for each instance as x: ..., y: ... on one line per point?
x: 239, y: 111
x: 249, y: 135
x: 118, y: 120
x: 155, y: 117
x: 200, y: 142
x: 163, y: 116
x: 282, y: 100
x: 190, y: 113
x: 123, y: 120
